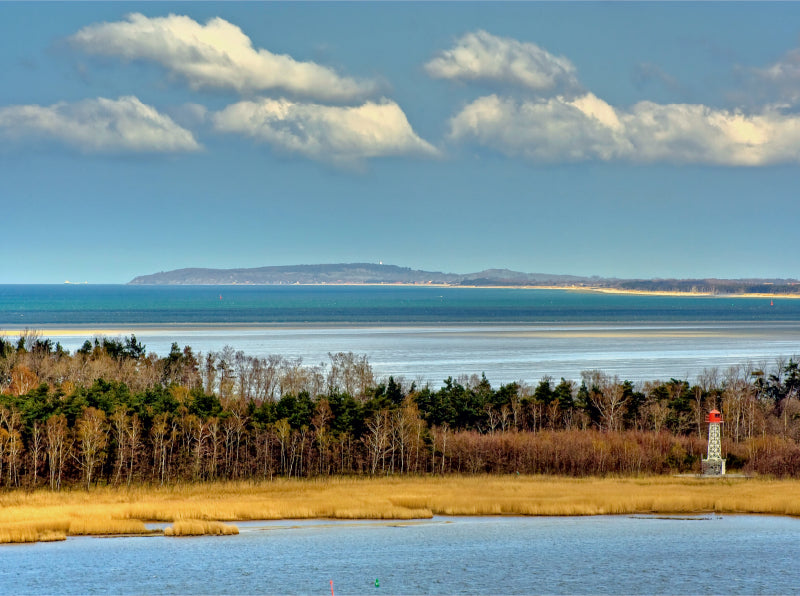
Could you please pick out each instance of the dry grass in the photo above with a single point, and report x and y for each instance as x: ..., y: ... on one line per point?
x: 28, y: 516
x: 200, y: 527
x: 20, y: 532
x: 106, y: 527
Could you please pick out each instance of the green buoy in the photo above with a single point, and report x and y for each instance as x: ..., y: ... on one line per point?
x: 377, y: 583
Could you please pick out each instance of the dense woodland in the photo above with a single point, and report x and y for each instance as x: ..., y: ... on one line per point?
x: 112, y: 413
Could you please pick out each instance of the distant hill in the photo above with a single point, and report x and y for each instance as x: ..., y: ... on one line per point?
x: 345, y: 273
x: 506, y: 277
x: 371, y: 273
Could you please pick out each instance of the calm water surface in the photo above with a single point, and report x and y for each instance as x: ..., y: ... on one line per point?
x: 34, y: 305
x: 594, y: 555
x: 426, y: 334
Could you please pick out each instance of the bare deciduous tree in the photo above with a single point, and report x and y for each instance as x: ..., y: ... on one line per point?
x: 57, y: 448
x: 92, y: 431
x: 607, y: 396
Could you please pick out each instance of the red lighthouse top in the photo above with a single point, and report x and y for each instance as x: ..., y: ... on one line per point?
x: 714, y: 416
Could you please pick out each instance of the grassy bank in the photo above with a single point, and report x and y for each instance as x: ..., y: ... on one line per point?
x: 45, y: 515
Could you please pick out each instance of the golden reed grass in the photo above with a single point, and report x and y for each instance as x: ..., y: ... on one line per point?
x: 200, y: 527
x: 106, y: 527
x: 38, y: 531
x: 106, y: 510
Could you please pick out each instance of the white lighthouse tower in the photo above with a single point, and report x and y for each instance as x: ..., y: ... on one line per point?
x: 714, y: 465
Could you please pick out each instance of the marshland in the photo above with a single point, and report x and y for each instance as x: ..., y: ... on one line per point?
x: 215, y: 507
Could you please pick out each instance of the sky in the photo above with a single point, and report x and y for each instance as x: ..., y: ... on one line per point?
x: 630, y: 140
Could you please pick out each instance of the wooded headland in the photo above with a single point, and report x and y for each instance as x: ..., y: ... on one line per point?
x: 371, y: 273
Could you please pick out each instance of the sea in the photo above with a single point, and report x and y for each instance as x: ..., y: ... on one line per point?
x: 706, y: 554
x: 426, y: 334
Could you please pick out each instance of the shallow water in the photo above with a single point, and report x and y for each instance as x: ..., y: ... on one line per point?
x: 509, y: 555
x: 505, y: 353
x: 427, y: 334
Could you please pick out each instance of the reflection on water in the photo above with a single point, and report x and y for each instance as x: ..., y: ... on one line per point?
x: 423, y: 333
x: 594, y: 555
x: 505, y: 353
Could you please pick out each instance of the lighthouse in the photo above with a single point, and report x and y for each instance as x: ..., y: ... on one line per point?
x: 714, y: 465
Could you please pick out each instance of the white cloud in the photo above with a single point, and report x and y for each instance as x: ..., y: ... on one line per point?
x: 217, y: 55
x: 544, y: 130
x: 587, y: 128
x: 481, y: 56
x: 558, y: 122
x: 97, y: 125
x: 342, y: 135
x: 699, y: 134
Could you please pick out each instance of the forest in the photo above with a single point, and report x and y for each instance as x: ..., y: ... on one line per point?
x: 113, y: 414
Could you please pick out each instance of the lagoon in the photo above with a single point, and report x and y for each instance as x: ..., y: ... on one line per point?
x: 507, y: 353
x: 707, y: 554
x: 426, y: 334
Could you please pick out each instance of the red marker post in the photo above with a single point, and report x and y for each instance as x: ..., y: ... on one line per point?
x: 331, y: 587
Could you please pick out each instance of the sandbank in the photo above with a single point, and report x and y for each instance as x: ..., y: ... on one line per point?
x: 568, y: 288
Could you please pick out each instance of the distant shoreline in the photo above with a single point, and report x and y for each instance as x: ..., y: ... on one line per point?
x: 586, y: 289
x: 373, y: 274
x: 600, y: 290
x: 771, y: 295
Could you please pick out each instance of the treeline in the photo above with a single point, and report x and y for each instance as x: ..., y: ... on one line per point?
x: 708, y: 286
x: 112, y: 413
x: 786, y: 287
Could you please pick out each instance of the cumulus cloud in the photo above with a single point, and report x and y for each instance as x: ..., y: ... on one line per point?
x: 481, y: 56
x: 341, y: 135
x: 97, y: 125
x: 587, y: 128
x: 559, y: 122
x: 215, y: 55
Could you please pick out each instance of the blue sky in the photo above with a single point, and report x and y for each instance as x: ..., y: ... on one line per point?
x: 613, y: 139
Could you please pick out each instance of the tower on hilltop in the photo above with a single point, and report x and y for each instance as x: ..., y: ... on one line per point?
x: 714, y: 465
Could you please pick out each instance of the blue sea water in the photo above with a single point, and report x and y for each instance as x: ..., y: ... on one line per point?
x: 502, y: 555
x: 426, y: 334
x: 57, y: 305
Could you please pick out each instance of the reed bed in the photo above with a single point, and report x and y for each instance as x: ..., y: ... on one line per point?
x: 108, y: 510
x: 199, y: 527
x: 22, y: 532
x: 107, y: 527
